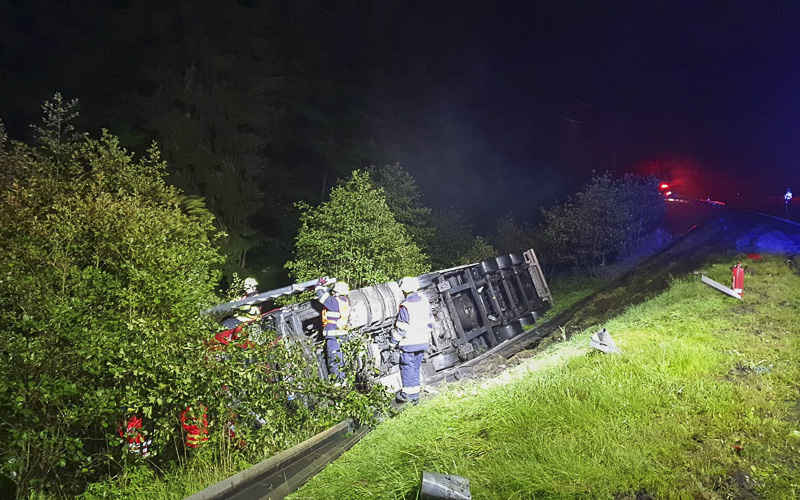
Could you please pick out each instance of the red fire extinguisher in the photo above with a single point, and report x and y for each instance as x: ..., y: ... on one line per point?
x: 195, y: 425
x: 737, y: 278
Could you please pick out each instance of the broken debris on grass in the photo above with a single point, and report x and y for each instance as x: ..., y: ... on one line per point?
x: 719, y: 286
x: 602, y: 341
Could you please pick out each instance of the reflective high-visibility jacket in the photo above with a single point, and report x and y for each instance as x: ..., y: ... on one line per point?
x: 335, y: 312
x: 248, y: 313
x: 414, y: 323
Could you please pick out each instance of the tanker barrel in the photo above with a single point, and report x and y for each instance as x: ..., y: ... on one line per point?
x: 259, y: 298
x: 374, y: 306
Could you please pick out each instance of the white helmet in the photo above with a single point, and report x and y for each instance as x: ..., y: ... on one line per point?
x: 250, y: 282
x: 409, y: 284
x: 341, y: 288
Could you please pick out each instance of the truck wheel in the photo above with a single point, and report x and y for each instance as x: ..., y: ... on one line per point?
x: 488, y: 266
x: 516, y: 259
x: 527, y: 320
x: 509, y: 331
x: 466, y: 311
x: 503, y: 262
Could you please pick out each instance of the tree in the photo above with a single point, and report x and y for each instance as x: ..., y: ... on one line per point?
x: 104, y: 271
x: 480, y: 250
x: 452, y: 237
x: 206, y: 105
x: 640, y: 198
x: 513, y: 237
x: 354, y: 237
x: 56, y: 135
x: 104, y: 268
x: 403, y: 198
x: 604, y: 219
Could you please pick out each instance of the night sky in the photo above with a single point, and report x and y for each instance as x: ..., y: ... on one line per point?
x: 505, y: 104
x: 702, y: 91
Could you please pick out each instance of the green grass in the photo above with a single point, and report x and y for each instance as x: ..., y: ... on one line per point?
x: 569, y: 291
x: 703, y: 403
x: 204, y: 469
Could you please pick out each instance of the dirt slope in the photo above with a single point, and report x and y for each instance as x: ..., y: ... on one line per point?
x: 732, y: 233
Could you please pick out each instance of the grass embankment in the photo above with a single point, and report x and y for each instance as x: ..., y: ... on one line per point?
x: 569, y: 291
x: 176, y: 483
x: 703, y: 403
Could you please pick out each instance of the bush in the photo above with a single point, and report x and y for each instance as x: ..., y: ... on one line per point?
x: 104, y: 268
x: 453, y: 242
x: 513, y: 237
x: 480, y: 250
x: 102, y: 274
x: 609, y: 217
x: 355, y: 238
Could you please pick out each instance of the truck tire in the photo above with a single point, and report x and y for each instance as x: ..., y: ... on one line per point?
x: 509, y: 331
x: 467, y: 312
x: 527, y: 320
x: 517, y: 259
x: 503, y: 262
x: 373, y: 306
x: 488, y: 266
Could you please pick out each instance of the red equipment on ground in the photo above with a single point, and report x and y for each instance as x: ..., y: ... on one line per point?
x: 138, y: 444
x: 737, y: 278
x: 196, y: 427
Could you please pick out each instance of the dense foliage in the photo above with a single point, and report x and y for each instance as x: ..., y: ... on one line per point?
x: 354, y: 237
x: 250, y: 104
x: 608, y: 217
x: 513, y: 237
x: 103, y: 270
x: 405, y: 201
x: 480, y: 250
x: 444, y: 235
x: 102, y: 275
x: 258, y: 104
x: 452, y: 241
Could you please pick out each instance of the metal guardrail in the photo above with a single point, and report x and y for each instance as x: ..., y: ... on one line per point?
x: 278, y: 476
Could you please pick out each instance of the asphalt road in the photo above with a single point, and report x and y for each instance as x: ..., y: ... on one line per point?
x: 769, y: 205
x: 682, y: 215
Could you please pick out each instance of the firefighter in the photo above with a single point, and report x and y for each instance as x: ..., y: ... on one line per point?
x: 411, y: 334
x: 335, y: 313
x: 248, y: 313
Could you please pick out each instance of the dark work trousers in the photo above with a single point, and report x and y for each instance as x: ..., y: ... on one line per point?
x: 335, y: 359
x: 410, y: 363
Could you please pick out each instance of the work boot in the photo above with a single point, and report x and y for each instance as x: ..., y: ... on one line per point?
x: 402, y: 397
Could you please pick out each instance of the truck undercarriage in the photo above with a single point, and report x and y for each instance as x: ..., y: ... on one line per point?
x: 475, y: 308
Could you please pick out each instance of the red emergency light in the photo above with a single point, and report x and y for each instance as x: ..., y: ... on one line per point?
x: 663, y: 185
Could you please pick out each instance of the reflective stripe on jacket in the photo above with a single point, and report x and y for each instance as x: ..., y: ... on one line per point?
x: 335, y: 312
x: 414, y: 322
x: 248, y: 313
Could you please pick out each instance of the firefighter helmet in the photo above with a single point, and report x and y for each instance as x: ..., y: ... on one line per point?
x: 409, y: 284
x: 250, y: 282
x: 341, y: 288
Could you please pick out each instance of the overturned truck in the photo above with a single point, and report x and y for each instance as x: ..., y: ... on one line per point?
x: 475, y: 307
